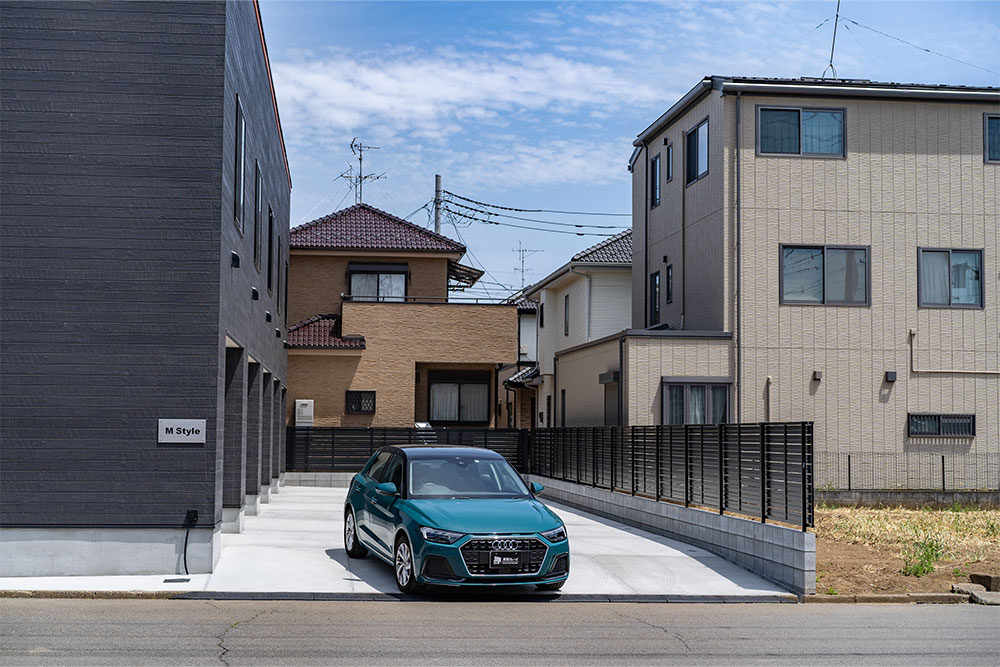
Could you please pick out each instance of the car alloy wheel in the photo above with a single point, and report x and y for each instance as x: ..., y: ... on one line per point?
x: 351, y: 543
x: 406, y: 579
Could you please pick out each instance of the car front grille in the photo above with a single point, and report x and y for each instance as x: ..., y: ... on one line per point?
x: 476, y: 553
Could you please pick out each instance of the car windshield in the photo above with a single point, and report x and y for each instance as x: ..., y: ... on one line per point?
x: 464, y: 476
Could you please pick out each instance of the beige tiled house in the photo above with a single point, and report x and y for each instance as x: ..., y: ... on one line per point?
x: 825, y: 250
x: 377, y: 342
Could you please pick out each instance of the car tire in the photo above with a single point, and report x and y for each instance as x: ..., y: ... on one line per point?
x: 352, y: 545
x: 406, y: 574
x: 554, y: 586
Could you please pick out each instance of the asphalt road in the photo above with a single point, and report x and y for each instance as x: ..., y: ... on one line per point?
x: 141, y: 632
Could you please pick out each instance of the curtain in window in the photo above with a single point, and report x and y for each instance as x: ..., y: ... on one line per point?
x: 720, y: 404
x: 475, y: 403
x: 779, y: 131
x: 675, y: 407
x: 392, y: 286
x: 934, y: 272
x: 698, y: 410
x: 823, y: 132
x: 993, y: 138
x: 444, y: 401
x: 846, y: 275
x: 965, y: 277
x: 802, y: 274
x: 364, y: 286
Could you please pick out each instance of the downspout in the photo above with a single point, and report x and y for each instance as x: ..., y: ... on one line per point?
x: 621, y: 381
x: 555, y: 390
x: 684, y: 281
x: 588, y: 276
x: 739, y: 293
x: 645, y: 236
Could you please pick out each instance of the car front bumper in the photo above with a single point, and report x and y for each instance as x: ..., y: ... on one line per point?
x: 466, y: 562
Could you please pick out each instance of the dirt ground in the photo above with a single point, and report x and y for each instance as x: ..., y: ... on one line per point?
x: 857, y: 550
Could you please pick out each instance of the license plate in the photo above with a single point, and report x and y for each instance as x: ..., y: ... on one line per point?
x: 505, y: 559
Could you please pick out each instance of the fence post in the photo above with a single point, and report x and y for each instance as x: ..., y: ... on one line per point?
x: 722, y: 468
x: 763, y: 472
x: 943, y: 485
x: 848, y: 472
x: 805, y: 479
x: 687, y: 475
x: 631, y: 450
x: 614, y: 433
x: 593, y: 457
x: 784, y: 453
x: 659, y: 434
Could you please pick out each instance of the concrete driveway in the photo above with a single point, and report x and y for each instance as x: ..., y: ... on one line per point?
x: 296, y: 545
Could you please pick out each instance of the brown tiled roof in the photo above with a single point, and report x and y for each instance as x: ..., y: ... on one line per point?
x: 364, y: 227
x: 617, y: 249
x: 317, y: 331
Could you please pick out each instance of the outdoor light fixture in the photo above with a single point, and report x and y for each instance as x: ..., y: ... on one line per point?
x: 277, y: 333
x: 254, y: 294
x: 890, y: 376
x: 817, y: 375
x: 234, y: 260
x: 267, y: 315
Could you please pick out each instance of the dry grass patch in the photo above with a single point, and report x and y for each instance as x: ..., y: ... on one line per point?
x: 956, y: 534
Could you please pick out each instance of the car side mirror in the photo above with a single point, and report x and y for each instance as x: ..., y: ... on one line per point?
x: 387, y: 489
x: 536, y: 488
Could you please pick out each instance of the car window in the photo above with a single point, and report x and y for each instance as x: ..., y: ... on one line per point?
x: 465, y: 477
x: 393, y: 471
x: 375, y: 469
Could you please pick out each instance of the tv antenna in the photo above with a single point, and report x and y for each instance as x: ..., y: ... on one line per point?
x: 830, y: 67
x: 358, y: 182
x: 522, y: 253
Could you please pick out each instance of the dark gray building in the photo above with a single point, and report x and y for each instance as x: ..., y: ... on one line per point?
x: 144, y: 194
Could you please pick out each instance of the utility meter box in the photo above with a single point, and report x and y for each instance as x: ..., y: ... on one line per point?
x: 303, y: 412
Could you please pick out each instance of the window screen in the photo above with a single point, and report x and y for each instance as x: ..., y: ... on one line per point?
x: 785, y: 131
x: 824, y: 275
x: 360, y: 402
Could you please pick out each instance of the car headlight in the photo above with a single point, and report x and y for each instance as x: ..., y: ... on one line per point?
x: 555, y: 535
x: 440, y: 536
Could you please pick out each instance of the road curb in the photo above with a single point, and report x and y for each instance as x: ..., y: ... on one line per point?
x: 401, y: 597
x: 889, y: 598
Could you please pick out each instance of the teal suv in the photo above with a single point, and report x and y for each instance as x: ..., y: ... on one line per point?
x: 453, y: 516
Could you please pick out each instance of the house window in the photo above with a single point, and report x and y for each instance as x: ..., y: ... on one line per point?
x: 566, y: 315
x: 670, y: 163
x: 654, y: 298
x: 286, y: 292
x: 378, y: 282
x: 670, y: 283
x: 696, y: 402
x: 238, y: 171
x: 830, y: 275
x: 942, y: 426
x: 541, y: 315
x: 360, y: 403
x: 279, y: 276
x: 270, y: 250
x: 257, y: 197
x: 654, y: 182
x: 807, y: 132
x: 697, y: 152
x: 950, y: 278
x: 562, y: 407
x: 991, y: 132
x: 460, y: 401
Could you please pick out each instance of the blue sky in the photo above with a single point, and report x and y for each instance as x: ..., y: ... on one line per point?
x: 535, y: 105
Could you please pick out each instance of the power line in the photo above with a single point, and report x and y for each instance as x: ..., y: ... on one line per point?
x: 508, y: 224
x: 545, y: 222
x: 900, y: 39
x: 417, y: 211
x: 537, y: 210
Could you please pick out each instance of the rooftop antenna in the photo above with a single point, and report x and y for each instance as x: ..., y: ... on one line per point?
x: 834, y: 44
x: 524, y: 252
x: 358, y: 182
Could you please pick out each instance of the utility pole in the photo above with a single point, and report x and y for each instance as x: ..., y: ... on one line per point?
x: 358, y: 182
x: 524, y: 252
x: 437, y: 203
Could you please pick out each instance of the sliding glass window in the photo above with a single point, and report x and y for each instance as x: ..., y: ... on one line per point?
x: 825, y: 275
x: 805, y: 132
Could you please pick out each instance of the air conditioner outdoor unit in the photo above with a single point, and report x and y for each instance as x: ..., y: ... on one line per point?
x: 304, y: 412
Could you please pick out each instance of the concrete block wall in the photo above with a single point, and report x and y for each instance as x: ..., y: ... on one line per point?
x: 782, y: 555
x: 331, y: 479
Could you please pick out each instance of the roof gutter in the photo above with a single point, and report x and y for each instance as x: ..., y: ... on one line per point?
x: 568, y: 268
x: 679, y: 107
x: 820, y: 90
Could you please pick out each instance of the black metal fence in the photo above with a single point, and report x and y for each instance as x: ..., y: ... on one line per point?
x: 761, y: 470
x: 345, y: 449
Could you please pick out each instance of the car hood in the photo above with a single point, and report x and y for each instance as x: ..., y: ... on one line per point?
x: 478, y: 515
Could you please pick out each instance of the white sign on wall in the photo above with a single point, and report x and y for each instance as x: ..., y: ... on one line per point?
x: 182, y: 430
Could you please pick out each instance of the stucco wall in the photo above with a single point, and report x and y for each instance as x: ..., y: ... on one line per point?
x: 578, y: 373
